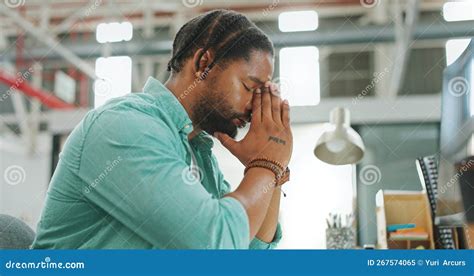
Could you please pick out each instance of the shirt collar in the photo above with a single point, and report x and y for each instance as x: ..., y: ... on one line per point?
x: 203, y: 140
x: 176, y: 111
x: 170, y: 103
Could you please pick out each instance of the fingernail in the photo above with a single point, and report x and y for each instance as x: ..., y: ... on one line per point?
x: 258, y: 91
x: 286, y: 102
x: 276, y: 92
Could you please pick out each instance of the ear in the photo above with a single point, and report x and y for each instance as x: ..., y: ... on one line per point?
x: 201, y: 61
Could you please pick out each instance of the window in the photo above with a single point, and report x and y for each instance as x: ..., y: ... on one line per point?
x: 455, y: 48
x: 114, y: 78
x: 424, y: 73
x: 297, y: 21
x: 351, y: 74
x: 458, y: 11
x: 299, y: 75
x: 114, y: 32
x: 114, y: 73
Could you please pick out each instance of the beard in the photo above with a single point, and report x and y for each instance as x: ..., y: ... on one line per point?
x: 212, y: 113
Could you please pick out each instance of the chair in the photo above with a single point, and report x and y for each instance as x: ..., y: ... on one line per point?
x: 14, y: 233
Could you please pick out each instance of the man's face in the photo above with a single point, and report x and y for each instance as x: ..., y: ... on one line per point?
x: 226, y: 104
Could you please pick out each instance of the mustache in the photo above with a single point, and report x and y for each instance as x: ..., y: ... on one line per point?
x: 235, y: 115
x: 247, y: 116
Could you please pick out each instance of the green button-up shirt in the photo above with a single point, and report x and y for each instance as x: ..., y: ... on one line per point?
x: 128, y: 177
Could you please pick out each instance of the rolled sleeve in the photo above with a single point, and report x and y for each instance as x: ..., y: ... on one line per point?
x: 239, y: 219
x: 256, y: 243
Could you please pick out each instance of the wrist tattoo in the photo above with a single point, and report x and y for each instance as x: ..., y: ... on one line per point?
x: 276, y: 140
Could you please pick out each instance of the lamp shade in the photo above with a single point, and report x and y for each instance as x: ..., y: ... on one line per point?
x: 340, y: 144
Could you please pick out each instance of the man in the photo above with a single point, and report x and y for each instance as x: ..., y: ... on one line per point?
x: 139, y: 171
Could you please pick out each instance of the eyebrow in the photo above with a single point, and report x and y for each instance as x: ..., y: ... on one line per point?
x: 257, y: 80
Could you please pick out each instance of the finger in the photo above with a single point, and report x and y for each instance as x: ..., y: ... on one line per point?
x: 227, y: 141
x: 257, y: 106
x: 276, y: 103
x: 285, y: 113
x: 266, y: 105
x: 267, y: 84
x: 275, y: 89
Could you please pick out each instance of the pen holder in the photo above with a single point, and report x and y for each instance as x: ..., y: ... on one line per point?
x: 340, y: 238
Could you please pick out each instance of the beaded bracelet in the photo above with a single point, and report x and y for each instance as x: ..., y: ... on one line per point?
x: 285, y: 177
x: 282, y: 175
x: 269, y: 160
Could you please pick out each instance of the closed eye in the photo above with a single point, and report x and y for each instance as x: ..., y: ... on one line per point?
x: 247, y: 88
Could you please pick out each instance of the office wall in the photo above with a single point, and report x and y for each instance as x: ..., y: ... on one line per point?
x: 25, y: 178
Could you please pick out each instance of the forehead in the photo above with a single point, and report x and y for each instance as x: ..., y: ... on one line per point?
x: 259, y: 65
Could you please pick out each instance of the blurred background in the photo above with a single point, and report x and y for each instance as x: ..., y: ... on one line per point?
x: 381, y: 60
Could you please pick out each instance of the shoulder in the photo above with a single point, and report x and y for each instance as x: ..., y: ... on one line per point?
x: 129, y: 116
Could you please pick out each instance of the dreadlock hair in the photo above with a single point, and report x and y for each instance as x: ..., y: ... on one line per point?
x: 230, y: 35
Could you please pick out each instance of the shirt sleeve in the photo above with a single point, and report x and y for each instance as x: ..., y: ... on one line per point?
x: 256, y: 243
x: 137, y: 175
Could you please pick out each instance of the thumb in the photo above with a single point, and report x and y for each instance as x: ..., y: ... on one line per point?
x: 226, y: 141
